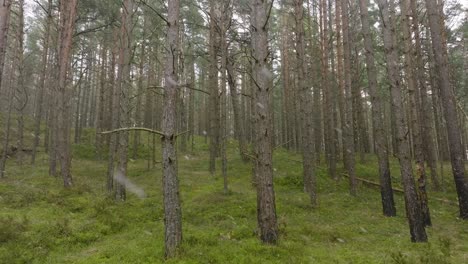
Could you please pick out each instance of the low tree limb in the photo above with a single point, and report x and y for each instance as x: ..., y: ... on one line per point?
x: 133, y: 129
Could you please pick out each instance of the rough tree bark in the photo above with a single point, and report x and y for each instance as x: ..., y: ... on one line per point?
x: 261, y: 76
x: 67, y: 25
x: 172, y: 208
x: 124, y: 87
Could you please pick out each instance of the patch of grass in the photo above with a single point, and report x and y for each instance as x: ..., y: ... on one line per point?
x: 40, y: 222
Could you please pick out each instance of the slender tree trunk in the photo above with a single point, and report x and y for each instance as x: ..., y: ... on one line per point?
x: 223, y: 124
x: 426, y: 120
x: 348, y: 143
x: 5, y: 9
x: 7, y: 129
x: 413, y: 209
x: 172, y: 208
x: 317, y: 108
x: 42, y: 80
x: 305, y: 106
x: 214, y: 91
x: 100, y: 126
x: 449, y: 104
x: 137, y: 134
x: 261, y: 76
x: 327, y: 95
x: 236, y: 105
x: 378, y: 124
x: 191, y: 119
x: 21, y: 93
x: 114, y: 124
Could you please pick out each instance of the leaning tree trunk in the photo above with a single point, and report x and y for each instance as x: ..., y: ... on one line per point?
x: 261, y: 76
x: 172, y: 208
x: 413, y: 209
x: 67, y: 25
x: 378, y: 125
x: 449, y: 105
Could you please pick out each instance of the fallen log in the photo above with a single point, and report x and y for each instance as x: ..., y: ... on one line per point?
x: 398, y: 190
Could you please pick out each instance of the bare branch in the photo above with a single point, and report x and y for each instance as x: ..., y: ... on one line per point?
x: 133, y: 129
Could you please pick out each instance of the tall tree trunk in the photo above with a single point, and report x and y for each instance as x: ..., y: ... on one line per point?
x: 5, y: 10
x: 42, y: 80
x: 67, y: 25
x: 21, y: 93
x: 449, y: 104
x: 305, y: 105
x: 7, y: 128
x: 261, y: 76
x: 378, y: 124
x: 236, y: 106
x: 172, y: 208
x: 224, y: 22
x: 413, y: 209
x: 124, y: 86
x: 140, y: 91
x: 214, y: 91
x: 410, y: 74
x: 115, y: 113
x: 327, y: 100
x: 192, y: 81
x: 348, y: 143
x: 426, y: 120
x: 100, y: 125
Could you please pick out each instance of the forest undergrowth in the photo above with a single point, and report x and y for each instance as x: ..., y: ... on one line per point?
x: 41, y: 222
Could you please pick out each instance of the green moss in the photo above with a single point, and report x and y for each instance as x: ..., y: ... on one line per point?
x: 40, y: 222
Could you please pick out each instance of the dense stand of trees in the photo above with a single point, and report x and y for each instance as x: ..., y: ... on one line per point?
x: 335, y: 80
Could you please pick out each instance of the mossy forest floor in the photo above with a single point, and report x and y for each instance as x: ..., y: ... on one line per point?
x: 41, y: 222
